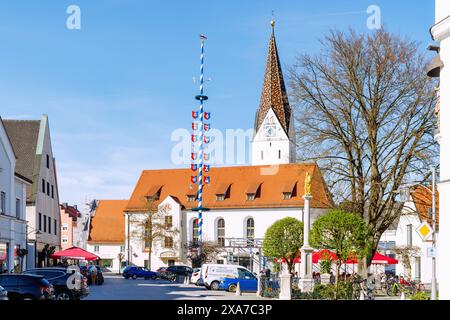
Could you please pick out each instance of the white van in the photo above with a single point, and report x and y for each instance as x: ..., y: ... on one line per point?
x: 212, y: 274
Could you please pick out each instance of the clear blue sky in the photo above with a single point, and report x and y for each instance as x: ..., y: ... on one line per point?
x: 116, y: 89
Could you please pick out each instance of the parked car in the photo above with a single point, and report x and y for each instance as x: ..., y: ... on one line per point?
x: 196, y: 277
x: 58, y: 277
x: 3, y: 294
x: 85, y: 272
x: 213, y: 274
x: 27, y: 287
x: 180, y: 270
x: 247, y: 282
x: 162, y: 274
x: 139, y: 272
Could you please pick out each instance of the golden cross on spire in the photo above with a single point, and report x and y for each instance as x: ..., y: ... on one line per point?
x: 272, y: 22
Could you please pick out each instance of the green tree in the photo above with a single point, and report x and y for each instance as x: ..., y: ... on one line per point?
x: 283, y: 239
x: 341, y: 232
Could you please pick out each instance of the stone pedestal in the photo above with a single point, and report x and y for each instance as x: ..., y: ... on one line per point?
x: 306, y: 281
x: 325, y: 278
x: 285, y: 287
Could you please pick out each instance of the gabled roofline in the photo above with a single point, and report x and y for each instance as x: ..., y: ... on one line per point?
x: 41, y: 136
x: 8, y: 137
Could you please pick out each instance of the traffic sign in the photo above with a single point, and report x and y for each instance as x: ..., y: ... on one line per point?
x: 425, y: 231
x: 431, y: 252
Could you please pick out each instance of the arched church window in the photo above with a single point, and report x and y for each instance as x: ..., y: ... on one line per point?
x: 250, y: 231
x: 221, y: 232
x: 195, y: 232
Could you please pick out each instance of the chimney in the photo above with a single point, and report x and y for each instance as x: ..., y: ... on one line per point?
x: 75, y: 206
x: 65, y: 205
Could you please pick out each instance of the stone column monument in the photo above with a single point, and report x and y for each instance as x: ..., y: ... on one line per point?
x: 306, y: 281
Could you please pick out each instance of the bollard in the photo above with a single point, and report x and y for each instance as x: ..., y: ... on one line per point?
x: 259, y: 288
x: 361, y: 296
x: 403, y: 297
x: 238, y: 290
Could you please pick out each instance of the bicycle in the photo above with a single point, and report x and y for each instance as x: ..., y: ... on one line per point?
x: 362, y: 285
x: 397, y: 286
x: 418, y: 286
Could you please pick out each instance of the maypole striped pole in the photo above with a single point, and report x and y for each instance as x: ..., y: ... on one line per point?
x: 201, y: 97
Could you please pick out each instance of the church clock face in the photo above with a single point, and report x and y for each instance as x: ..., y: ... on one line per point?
x: 269, y: 131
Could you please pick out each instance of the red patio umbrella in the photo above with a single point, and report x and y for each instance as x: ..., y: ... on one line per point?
x: 75, y: 253
x: 316, y: 256
x: 379, y: 258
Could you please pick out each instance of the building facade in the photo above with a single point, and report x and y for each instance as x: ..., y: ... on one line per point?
x: 35, y: 161
x: 404, y: 234
x: 440, y: 32
x: 107, y: 233
x: 13, y: 226
x: 70, y: 226
x: 242, y: 203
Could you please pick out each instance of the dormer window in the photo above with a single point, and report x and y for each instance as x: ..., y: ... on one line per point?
x: 287, y: 195
x: 289, y: 190
x: 253, y: 191
x: 251, y: 196
x: 191, y: 194
x: 223, y: 192
x: 154, y: 193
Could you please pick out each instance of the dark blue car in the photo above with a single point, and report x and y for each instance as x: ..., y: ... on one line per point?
x: 139, y: 272
x: 247, y: 282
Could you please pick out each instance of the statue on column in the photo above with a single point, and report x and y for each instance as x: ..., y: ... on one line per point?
x: 307, y: 184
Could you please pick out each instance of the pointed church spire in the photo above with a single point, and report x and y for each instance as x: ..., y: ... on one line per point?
x: 274, y: 91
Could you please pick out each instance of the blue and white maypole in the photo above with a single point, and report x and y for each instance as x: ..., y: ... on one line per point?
x: 200, y: 140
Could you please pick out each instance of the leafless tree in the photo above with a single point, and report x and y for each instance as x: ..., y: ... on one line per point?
x: 406, y: 254
x: 364, y: 110
x: 210, y: 251
x: 152, y: 226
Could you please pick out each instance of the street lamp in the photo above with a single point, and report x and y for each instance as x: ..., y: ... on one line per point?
x: 37, y: 233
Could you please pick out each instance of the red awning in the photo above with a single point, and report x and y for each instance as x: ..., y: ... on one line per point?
x: 316, y: 256
x: 378, y: 258
x: 75, y: 253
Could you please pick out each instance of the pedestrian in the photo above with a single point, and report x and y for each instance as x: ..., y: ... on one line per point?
x: 93, y: 273
x: 332, y: 278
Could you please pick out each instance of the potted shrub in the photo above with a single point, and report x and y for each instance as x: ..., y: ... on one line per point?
x: 325, y: 271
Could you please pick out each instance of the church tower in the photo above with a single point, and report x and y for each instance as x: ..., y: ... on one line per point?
x: 274, y: 139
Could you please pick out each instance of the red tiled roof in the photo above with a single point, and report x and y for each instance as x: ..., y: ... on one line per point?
x: 422, y: 198
x: 176, y: 182
x: 108, y: 223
